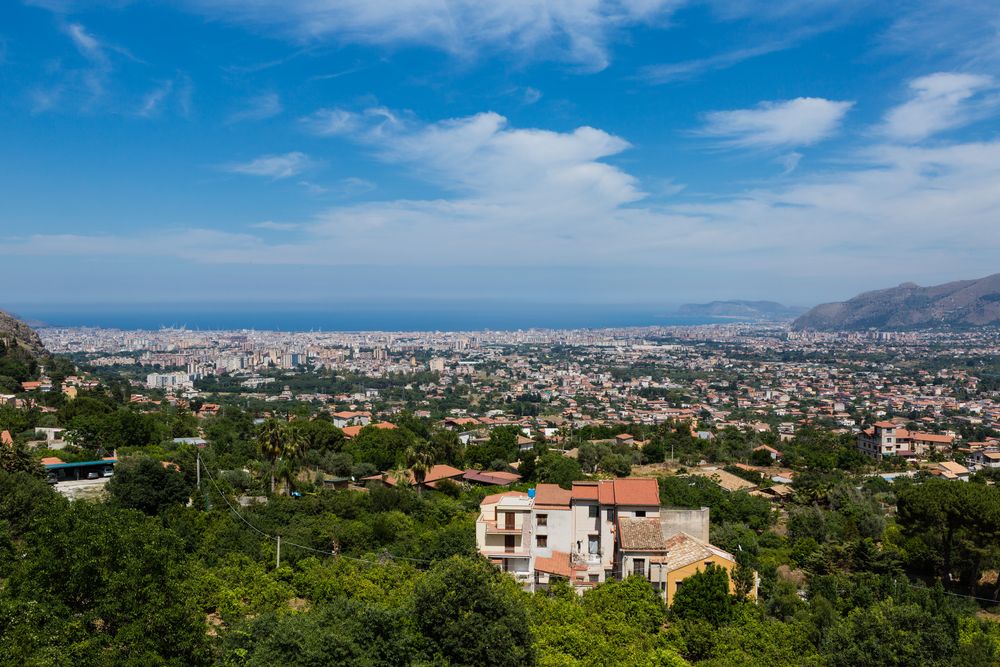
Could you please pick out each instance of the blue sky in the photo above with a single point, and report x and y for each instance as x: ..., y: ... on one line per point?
x: 588, y: 152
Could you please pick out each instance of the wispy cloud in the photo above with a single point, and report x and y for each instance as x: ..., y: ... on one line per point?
x: 939, y: 102
x: 688, y: 69
x: 277, y: 226
x: 273, y: 166
x: 573, y: 32
x: 152, y: 103
x: 527, y: 197
x: 258, y: 108
x: 799, y: 122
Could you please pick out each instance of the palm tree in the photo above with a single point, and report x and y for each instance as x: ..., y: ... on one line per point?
x: 420, y: 458
x: 278, y: 441
x: 270, y: 441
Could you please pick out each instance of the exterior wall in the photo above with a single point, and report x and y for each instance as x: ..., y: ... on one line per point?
x: 680, y: 574
x: 558, y: 530
x: 585, y: 526
x: 692, y: 522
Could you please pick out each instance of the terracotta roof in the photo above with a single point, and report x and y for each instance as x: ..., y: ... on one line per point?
x: 931, y: 437
x: 585, y: 490
x: 953, y: 468
x: 606, y: 492
x: 552, y: 495
x: 498, y: 478
x: 557, y: 564
x: 683, y: 550
x: 441, y: 471
x: 637, y: 491
x: 640, y: 534
x: 352, y: 431
x: 51, y: 460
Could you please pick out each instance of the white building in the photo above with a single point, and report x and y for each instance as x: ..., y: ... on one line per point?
x: 551, y: 532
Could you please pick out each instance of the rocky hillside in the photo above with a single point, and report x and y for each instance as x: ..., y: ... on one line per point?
x: 963, y: 304
x: 14, y: 332
x: 750, y: 310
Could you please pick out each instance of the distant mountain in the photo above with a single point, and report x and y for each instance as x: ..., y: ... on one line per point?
x: 963, y: 304
x: 750, y: 310
x: 15, y: 333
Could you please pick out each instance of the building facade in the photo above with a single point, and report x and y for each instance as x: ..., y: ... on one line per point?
x: 595, y: 532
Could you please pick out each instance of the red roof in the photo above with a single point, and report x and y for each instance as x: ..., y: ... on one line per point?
x: 491, y: 477
x: 352, y: 431
x: 558, y: 563
x: 441, y: 471
x: 637, y: 491
x: 552, y: 495
x: 585, y: 490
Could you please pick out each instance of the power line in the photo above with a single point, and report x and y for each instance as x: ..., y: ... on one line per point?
x: 278, y: 540
x: 957, y: 595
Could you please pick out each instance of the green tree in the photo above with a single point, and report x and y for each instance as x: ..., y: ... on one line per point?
x: 554, y: 468
x: 705, y: 595
x: 472, y: 614
x: 278, y: 440
x: 146, y: 485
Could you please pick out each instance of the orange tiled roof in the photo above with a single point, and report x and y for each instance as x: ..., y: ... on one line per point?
x: 552, y: 495
x: 637, y: 491
x: 585, y: 491
x: 558, y: 564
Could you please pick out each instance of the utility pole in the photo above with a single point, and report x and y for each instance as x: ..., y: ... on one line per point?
x: 198, y: 468
x: 278, y: 561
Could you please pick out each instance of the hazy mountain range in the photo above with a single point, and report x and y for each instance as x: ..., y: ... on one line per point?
x: 737, y: 309
x: 962, y: 304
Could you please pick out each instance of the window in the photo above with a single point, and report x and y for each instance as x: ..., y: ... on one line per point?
x: 542, y: 519
x: 594, y: 545
x: 641, y: 514
x: 611, y: 514
x: 639, y: 566
x: 542, y: 541
x: 594, y: 578
x: 593, y: 511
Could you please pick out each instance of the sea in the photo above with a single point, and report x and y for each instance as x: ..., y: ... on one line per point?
x: 408, y: 316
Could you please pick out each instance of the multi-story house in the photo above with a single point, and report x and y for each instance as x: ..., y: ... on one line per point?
x: 595, y: 532
x: 886, y: 438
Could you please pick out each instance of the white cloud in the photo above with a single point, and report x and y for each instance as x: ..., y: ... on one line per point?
x: 273, y: 166
x: 799, y: 122
x: 577, y: 31
x: 482, y: 157
x: 258, y: 108
x: 153, y: 101
x: 276, y: 226
x: 519, y: 199
x: 87, y: 44
x: 939, y: 102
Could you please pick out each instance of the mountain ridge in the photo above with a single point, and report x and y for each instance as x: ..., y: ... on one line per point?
x: 739, y: 308
x: 958, y: 304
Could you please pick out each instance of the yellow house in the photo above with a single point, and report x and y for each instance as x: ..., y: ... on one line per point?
x: 668, y: 562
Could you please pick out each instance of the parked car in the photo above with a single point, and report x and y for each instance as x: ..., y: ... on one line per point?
x: 92, y: 475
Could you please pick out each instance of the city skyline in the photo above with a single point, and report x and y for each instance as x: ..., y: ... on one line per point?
x: 602, y: 152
